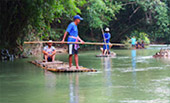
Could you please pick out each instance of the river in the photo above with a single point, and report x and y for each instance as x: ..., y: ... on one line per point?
x: 132, y: 77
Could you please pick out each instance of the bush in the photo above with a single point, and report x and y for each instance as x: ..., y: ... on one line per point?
x: 141, y: 36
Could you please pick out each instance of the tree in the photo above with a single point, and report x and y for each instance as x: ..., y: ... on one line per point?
x: 20, y: 18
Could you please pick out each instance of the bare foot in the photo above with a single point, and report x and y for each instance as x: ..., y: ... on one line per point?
x: 69, y: 67
x: 78, y: 67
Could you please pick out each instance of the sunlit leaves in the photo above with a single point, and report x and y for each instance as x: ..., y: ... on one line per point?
x: 101, y: 12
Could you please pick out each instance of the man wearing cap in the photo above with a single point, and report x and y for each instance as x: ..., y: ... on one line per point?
x: 72, y: 30
x: 49, y: 52
x: 106, y: 41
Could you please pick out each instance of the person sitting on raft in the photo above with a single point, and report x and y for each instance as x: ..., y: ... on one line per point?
x: 163, y: 53
x: 138, y: 45
x: 107, y: 36
x: 143, y: 44
x: 49, y: 52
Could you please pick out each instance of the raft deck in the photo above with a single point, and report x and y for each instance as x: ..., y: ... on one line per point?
x: 59, y: 66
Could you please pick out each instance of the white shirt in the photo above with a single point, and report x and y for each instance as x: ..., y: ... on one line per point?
x: 49, y: 50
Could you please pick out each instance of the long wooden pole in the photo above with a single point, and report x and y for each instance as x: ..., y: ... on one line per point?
x: 59, y: 42
x: 103, y: 36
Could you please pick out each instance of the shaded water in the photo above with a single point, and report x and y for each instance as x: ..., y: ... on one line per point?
x: 132, y: 77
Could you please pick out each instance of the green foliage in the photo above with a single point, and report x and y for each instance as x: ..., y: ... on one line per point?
x: 150, y: 16
x: 141, y: 36
x: 31, y: 19
x: 157, y: 12
x: 100, y: 12
x: 44, y: 19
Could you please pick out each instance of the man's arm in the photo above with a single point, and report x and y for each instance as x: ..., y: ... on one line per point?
x: 65, y: 34
x: 70, y: 26
x: 53, y: 53
x: 44, y: 52
x: 108, y: 37
x: 80, y: 39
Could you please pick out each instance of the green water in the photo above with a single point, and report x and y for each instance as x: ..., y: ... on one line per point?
x: 132, y: 77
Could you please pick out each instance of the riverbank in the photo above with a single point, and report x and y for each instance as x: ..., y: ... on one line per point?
x: 36, y: 49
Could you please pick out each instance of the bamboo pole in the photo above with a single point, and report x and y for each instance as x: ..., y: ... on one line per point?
x: 59, y: 42
x: 103, y: 36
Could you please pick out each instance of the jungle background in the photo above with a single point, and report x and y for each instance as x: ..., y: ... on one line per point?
x: 29, y: 20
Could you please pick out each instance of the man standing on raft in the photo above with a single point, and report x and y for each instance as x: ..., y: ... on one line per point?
x: 72, y: 30
x: 133, y: 42
x: 106, y: 41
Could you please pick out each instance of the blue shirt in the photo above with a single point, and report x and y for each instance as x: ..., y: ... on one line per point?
x: 73, y: 31
x: 107, y: 37
x: 133, y: 41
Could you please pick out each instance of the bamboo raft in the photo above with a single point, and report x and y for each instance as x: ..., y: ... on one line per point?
x: 59, y: 66
x: 160, y: 56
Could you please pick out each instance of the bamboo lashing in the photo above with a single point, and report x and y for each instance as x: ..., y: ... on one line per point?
x: 59, y: 42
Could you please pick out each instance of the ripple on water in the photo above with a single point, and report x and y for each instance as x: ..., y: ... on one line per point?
x: 7, y: 76
x: 142, y: 69
x: 159, y: 88
x: 124, y: 57
x: 167, y: 79
x: 145, y: 101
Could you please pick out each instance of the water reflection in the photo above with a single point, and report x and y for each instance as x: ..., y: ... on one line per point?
x: 107, y: 65
x: 133, y: 54
x: 74, y: 88
x: 107, y: 69
x: 50, y: 79
x: 51, y: 84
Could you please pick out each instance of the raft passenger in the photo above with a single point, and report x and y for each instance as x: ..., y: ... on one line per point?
x: 143, y: 44
x: 49, y: 52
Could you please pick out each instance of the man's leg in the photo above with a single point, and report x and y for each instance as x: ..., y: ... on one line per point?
x: 103, y: 52
x: 46, y: 57
x: 70, y: 51
x: 76, y: 61
x: 107, y: 49
x: 70, y: 61
x: 53, y: 58
x: 107, y: 52
x: 104, y: 49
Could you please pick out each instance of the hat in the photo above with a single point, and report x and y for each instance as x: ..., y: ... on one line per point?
x: 78, y: 17
x: 50, y: 41
x: 107, y: 29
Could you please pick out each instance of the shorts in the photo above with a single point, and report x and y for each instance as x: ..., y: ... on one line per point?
x: 72, y: 50
x: 106, y: 47
x: 49, y: 59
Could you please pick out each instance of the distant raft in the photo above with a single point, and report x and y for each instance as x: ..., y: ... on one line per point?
x: 59, y: 66
x: 161, y: 56
x: 112, y: 55
x: 163, y: 53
